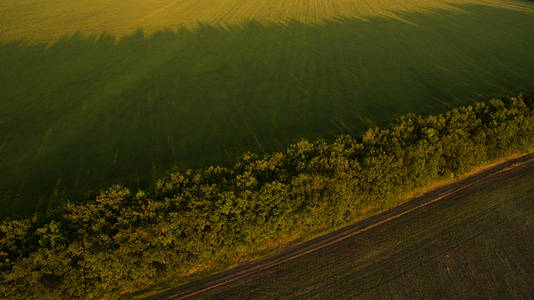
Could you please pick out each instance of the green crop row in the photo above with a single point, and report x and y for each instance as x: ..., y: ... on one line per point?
x: 127, y: 240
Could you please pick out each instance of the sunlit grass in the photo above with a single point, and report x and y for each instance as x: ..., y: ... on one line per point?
x: 48, y: 20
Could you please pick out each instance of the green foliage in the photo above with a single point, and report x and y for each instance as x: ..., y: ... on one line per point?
x: 124, y: 241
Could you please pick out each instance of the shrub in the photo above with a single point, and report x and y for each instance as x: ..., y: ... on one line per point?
x: 124, y: 241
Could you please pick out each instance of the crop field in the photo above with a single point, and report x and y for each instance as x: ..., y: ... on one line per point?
x: 45, y: 20
x: 94, y: 93
x: 478, y: 244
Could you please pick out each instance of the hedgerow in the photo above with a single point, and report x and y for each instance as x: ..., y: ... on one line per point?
x: 126, y: 240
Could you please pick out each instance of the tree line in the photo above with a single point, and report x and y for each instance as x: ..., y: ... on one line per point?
x: 125, y: 240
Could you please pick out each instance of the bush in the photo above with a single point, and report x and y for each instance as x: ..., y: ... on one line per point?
x: 124, y: 241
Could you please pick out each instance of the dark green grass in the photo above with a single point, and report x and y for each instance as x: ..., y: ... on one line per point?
x: 478, y: 244
x: 82, y: 114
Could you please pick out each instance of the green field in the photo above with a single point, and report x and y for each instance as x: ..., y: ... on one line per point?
x: 87, y: 101
x: 478, y: 244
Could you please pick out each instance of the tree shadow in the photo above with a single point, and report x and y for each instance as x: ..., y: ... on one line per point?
x: 86, y: 112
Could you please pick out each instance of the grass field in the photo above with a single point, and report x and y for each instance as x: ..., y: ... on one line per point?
x: 82, y: 111
x: 46, y: 20
x: 476, y: 245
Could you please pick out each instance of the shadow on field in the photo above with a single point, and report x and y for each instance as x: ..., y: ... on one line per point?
x: 87, y: 112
